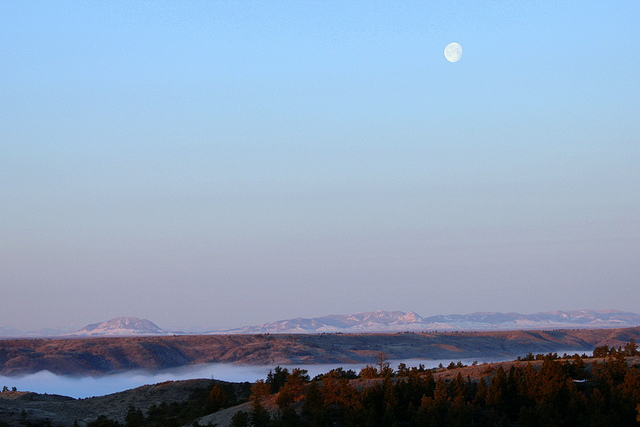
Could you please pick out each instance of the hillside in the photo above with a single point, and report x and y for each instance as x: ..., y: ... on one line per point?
x: 41, y: 409
x: 493, y: 393
x: 83, y: 356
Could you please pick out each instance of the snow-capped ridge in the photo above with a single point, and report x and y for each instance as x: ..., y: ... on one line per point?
x: 364, y: 322
x: 398, y: 321
x: 121, y: 326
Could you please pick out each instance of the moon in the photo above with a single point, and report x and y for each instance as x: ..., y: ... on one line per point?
x: 453, y: 52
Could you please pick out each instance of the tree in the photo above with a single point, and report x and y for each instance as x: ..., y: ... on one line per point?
x: 631, y: 348
x: 134, y: 417
x: 383, y: 365
x: 497, y: 387
x: 312, y: 406
x: 240, y: 419
x: 289, y: 417
x: 402, y: 370
x: 217, y: 399
x: 481, y: 393
x: 390, y: 400
x: 339, y: 372
x: 602, y: 351
x: 293, y: 388
x: 259, y: 416
x: 457, y: 387
x: 277, y: 378
x: 285, y: 398
x: 259, y: 390
x: 103, y: 421
x: 368, y: 372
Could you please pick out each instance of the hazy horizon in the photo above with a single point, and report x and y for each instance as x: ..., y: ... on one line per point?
x: 234, y: 163
x: 64, y: 330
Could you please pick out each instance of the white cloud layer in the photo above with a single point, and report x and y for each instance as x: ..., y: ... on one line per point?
x: 88, y: 386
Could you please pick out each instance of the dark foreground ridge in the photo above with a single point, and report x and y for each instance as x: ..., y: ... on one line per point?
x: 90, y: 356
x: 20, y: 408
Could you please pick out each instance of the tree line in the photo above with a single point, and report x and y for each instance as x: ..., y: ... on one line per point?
x: 560, y: 391
x: 542, y: 389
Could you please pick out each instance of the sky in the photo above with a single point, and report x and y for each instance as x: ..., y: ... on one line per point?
x: 217, y: 164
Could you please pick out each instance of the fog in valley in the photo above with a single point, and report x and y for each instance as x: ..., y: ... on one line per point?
x: 89, y: 386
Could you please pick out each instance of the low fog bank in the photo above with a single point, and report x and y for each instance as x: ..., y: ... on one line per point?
x: 89, y: 386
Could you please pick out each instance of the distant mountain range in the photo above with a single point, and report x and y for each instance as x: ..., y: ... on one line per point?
x: 375, y: 321
x: 6, y: 331
x: 398, y: 321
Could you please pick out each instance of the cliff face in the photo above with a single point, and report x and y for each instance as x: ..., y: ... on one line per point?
x: 83, y: 356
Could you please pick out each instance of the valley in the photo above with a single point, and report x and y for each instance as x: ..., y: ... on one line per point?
x: 101, y: 356
x: 507, y: 393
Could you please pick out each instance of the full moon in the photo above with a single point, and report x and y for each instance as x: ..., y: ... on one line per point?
x: 453, y: 52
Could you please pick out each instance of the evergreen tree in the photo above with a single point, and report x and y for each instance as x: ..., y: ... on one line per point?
x: 217, y: 399
x: 134, y: 417
x: 277, y: 378
x: 259, y: 416
x: 240, y: 419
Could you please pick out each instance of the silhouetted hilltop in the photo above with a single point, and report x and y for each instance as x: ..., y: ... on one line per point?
x: 18, y: 408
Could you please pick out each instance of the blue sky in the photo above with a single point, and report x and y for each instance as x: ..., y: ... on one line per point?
x: 230, y: 163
